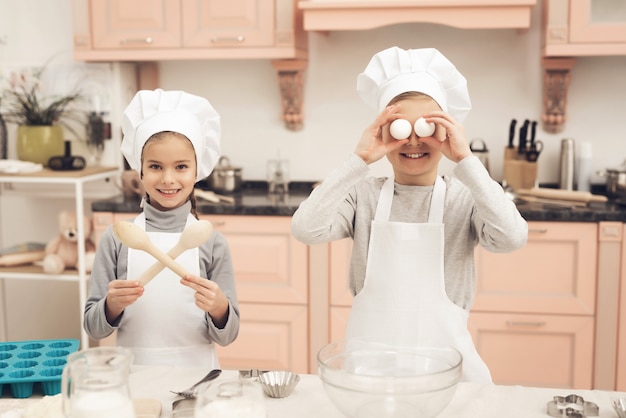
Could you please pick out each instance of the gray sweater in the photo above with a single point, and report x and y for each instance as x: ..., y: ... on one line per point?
x: 476, y: 212
x: 112, y: 258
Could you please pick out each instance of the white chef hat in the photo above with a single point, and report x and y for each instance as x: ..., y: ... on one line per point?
x: 394, y: 71
x: 153, y: 111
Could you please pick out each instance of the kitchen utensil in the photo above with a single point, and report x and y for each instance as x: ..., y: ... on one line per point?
x: 533, y: 133
x: 211, y: 196
x: 183, y: 408
x: 278, y: 176
x: 225, y: 178
x: 480, y: 151
x: 534, y: 150
x: 95, y: 383
x: 365, y: 378
x: 567, y: 160
x: 619, y: 405
x: 67, y: 162
x: 136, y: 238
x: 510, y: 152
x: 191, y: 391
x: 194, y: 235
x: 572, y: 406
x: 523, y: 135
x: 615, y: 181
x: 231, y: 399
x: 573, y: 195
x: 584, y: 166
x: 278, y: 383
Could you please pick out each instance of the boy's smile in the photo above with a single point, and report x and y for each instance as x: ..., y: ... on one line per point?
x: 415, y: 163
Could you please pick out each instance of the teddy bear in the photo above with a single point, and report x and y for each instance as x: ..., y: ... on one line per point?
x: 62, y: 251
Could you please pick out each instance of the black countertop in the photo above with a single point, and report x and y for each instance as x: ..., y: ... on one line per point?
x: 254, y: 199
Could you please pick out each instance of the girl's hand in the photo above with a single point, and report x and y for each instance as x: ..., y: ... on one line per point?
x: 453, y: 144
x: 121, y: 293
x: 209, y: 297
x: 371, y: 146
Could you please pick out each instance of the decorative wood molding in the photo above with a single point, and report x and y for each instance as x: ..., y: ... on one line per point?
x: 556, y: 81
x: 291, y: 84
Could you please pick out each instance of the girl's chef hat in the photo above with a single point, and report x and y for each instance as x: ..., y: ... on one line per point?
x: 153, y: 111
x: 394, y: 71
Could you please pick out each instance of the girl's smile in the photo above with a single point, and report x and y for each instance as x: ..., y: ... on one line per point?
x: 168, y: 170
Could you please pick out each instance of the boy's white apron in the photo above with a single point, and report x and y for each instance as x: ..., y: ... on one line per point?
x: 164, y: 326
x: 404, y: 297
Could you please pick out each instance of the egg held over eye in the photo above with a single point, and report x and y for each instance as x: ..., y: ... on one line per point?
x: 423, y: 128
x: 400, y: 129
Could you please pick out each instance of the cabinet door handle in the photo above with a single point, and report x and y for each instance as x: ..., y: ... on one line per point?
x: 538, y: 230
x: 218, y: 223
x: 147, y: 40
x: 219, y: 39
x: 535, y: 324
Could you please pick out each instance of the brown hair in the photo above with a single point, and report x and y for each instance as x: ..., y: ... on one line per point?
x: 410, y: 94
x: 159, y: 136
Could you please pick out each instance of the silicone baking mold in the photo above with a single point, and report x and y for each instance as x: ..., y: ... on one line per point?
x: 25, y: 363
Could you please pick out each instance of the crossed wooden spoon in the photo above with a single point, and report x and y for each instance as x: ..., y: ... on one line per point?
x: 194, y: 235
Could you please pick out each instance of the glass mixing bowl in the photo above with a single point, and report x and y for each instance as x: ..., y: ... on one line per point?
x: 369, y: 379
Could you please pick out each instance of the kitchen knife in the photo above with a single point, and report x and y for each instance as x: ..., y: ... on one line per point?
x: 510, y: 151
x: 523, y: 133
x: 533, y: 131
x: 512, y: 133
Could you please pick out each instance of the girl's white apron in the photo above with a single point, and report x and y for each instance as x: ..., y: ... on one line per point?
x: 404, y: 297
x: 164, y: 326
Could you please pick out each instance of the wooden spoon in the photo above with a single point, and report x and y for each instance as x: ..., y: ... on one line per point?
x: 136, y: 238
x: 193, y: 236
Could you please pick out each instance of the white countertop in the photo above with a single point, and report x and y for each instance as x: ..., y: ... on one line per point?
x: 309, y: 399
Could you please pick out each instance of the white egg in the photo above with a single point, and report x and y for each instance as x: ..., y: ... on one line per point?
x: 400, y: 129
x: 423, y: 128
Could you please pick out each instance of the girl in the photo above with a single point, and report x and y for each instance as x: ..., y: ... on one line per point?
x: 412, y: 279
x: 172, y: 139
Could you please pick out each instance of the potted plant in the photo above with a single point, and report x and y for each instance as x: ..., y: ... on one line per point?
x: 41, y: 119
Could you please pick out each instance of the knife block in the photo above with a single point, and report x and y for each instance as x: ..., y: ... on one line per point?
x: 520, y: 174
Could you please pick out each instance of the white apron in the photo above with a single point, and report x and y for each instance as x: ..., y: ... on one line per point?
x: 164, y: 326
x: 404, y: 297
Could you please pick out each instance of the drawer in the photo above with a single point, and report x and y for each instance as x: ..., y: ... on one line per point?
x: 556, y: 272
x: 536, y: 350
x: 270, y: 265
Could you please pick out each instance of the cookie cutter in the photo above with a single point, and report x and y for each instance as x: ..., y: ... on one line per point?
x: 572, y: 406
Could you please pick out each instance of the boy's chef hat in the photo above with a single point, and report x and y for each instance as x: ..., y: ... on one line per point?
x: 394, y: 71
x: 153, y: 111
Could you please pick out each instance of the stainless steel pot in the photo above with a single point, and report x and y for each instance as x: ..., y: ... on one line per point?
x: 615, y: 181
x: 225, y: 178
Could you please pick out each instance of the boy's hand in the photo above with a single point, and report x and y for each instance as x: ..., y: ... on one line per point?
x: 209, y: 297
x: 453, y: 145
x: 371, y: 146
x: 121, y: 293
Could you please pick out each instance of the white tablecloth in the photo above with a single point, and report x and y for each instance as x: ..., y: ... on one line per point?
x: 310, y: 401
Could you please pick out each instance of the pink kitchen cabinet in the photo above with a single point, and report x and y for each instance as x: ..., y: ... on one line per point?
x: 156, y: 30
x: 533, y: 319
x: 584, y: 27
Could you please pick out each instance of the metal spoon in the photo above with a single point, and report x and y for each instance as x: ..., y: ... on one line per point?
x: 191, y: 393
x: 193, y: 236
x: 136, y: 238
